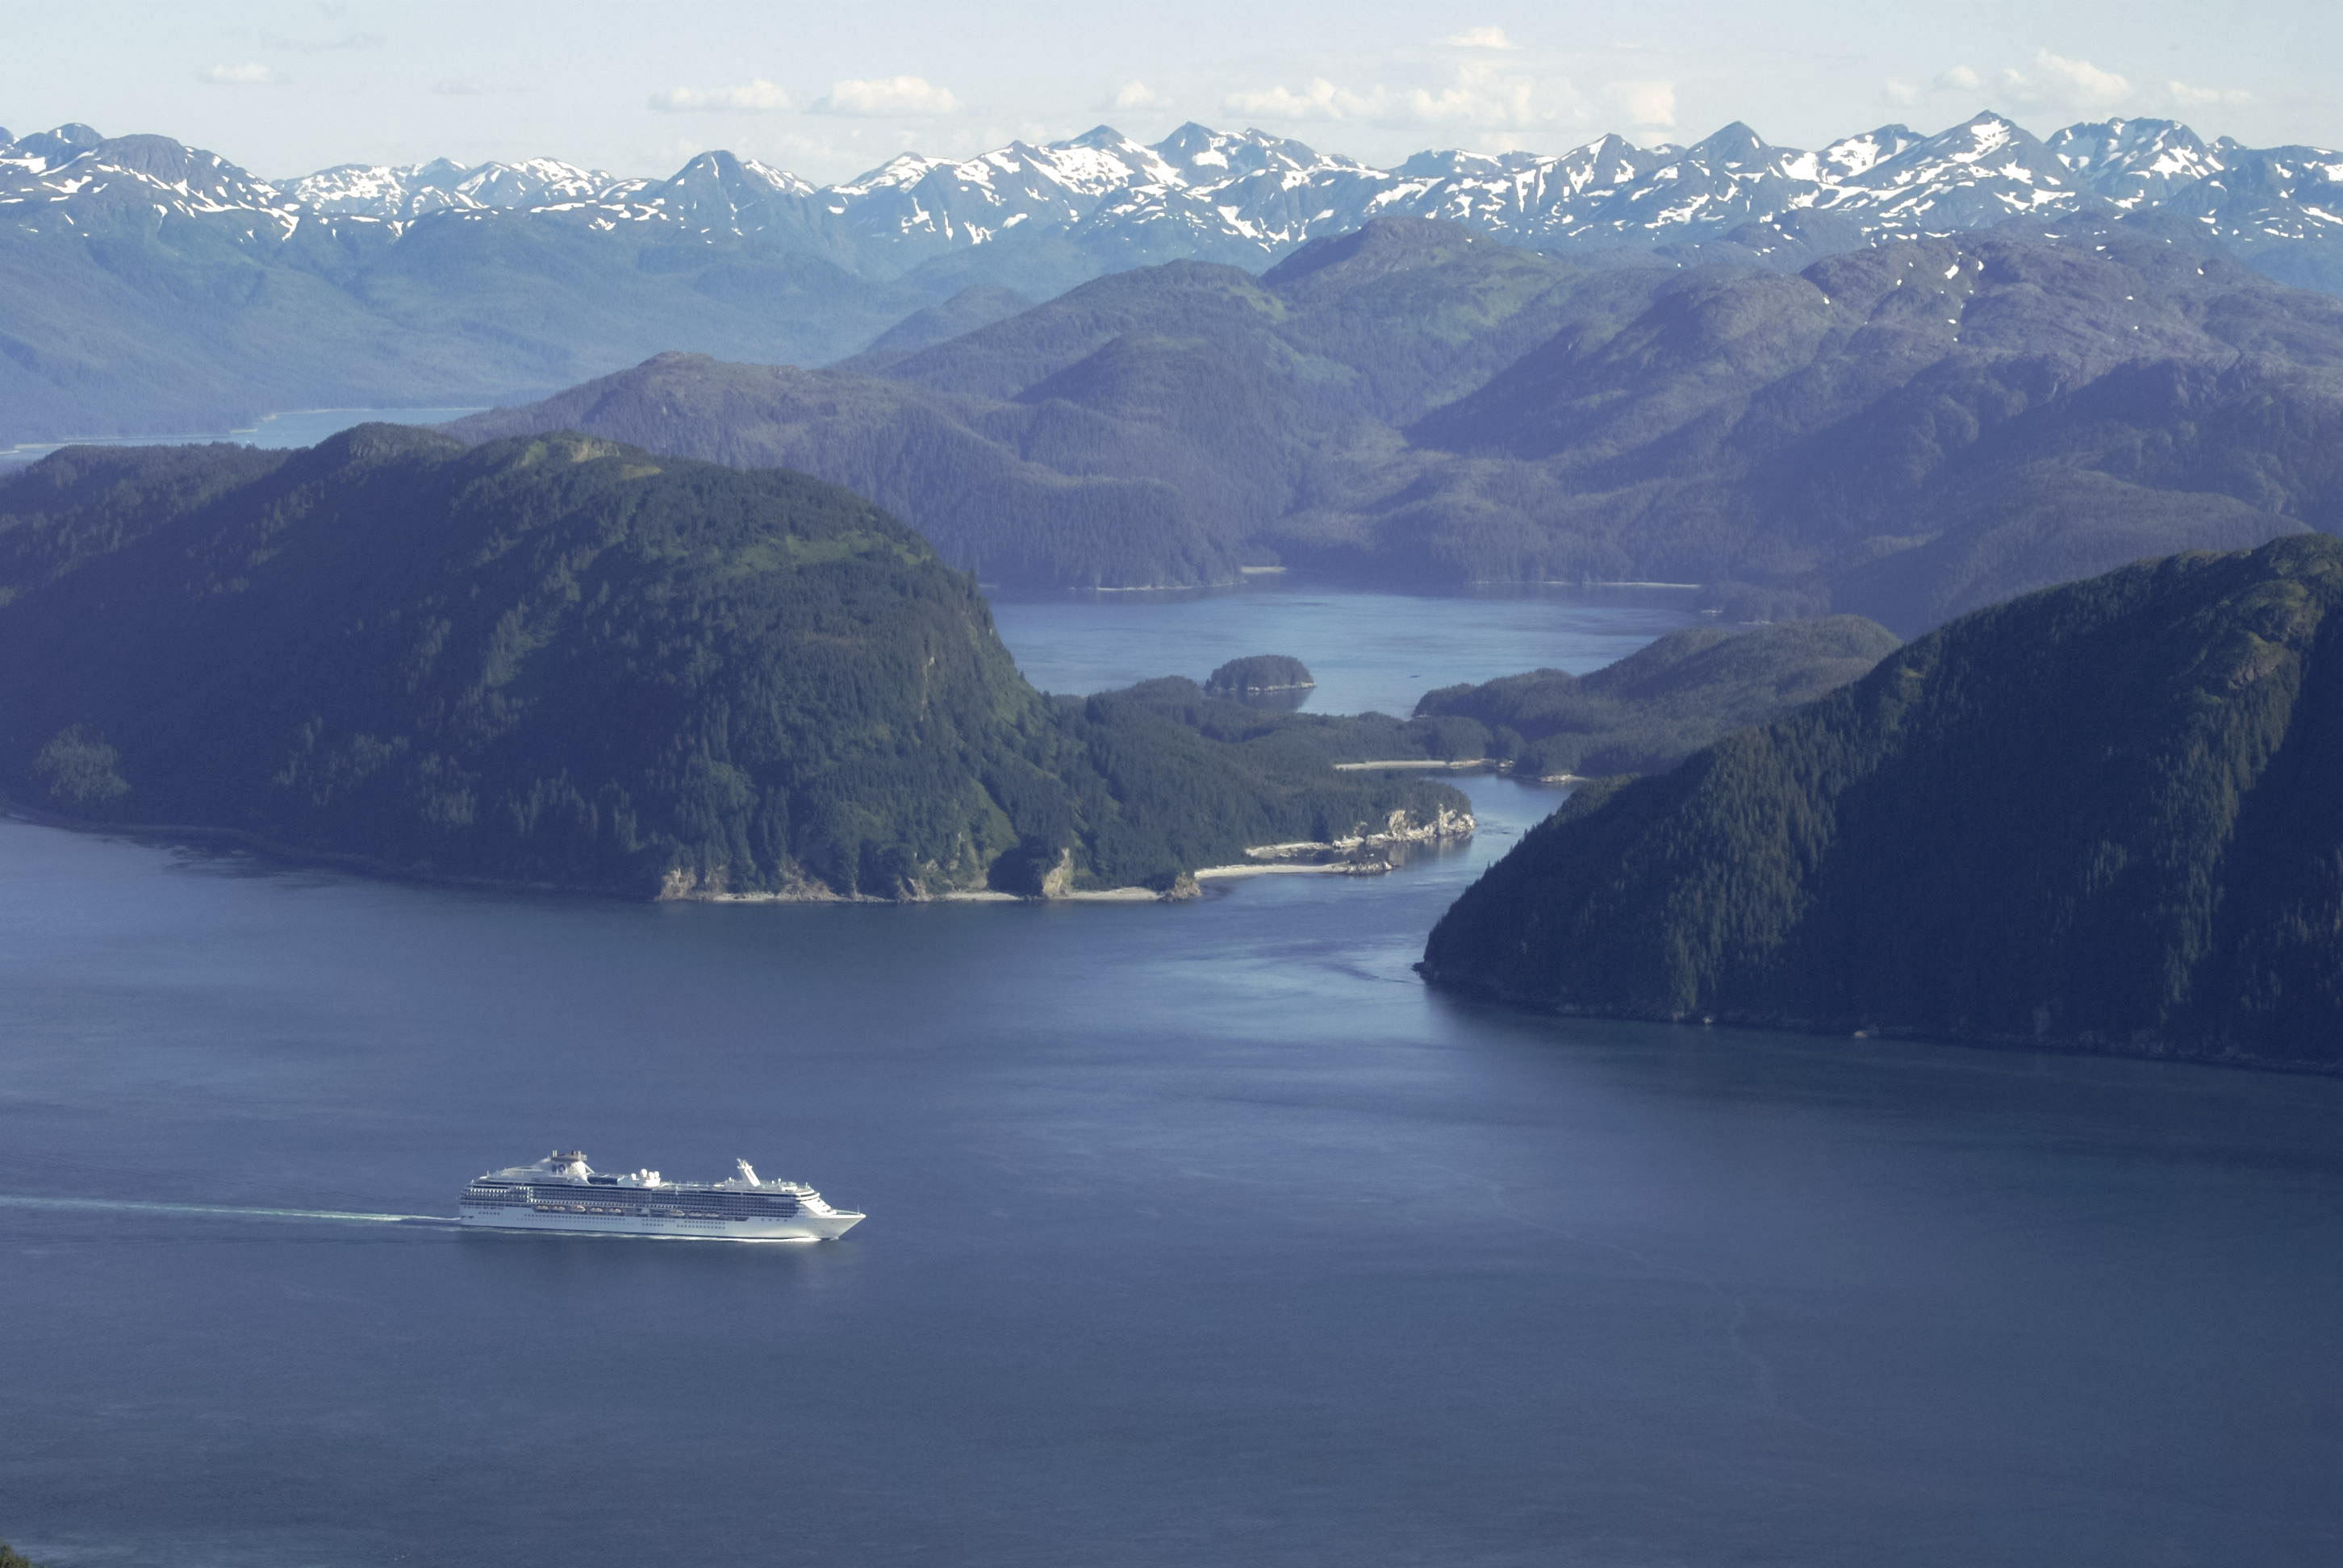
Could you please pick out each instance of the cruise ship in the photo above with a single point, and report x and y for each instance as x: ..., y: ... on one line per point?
x: 562, y: 1192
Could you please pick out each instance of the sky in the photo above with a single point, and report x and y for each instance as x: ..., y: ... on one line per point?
x: 830, y: 89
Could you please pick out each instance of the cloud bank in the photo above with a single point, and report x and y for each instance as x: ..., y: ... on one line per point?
x: 758, y: 97
x: 888, y: 96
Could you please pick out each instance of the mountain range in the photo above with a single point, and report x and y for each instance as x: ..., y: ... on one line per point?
x: 1248, y: 197
x: 373, y: 285
x: 1904, y: 431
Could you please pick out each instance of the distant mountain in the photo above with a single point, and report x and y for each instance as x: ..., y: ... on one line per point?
x: 1248, y: 197
x: 1914, y: 430
x: 1902, y: 432
x: 562, y: 662
x: 2102, y: 816
x: 399, y: 195
x: 1138, y: 430
x: 162, y: 285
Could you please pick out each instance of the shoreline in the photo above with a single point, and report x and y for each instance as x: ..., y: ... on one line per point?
x: 1476, y: 992
x: 1366, y: 856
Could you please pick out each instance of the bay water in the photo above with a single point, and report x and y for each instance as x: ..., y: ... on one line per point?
x: 1199, y: 1233
x: 1364, y: 650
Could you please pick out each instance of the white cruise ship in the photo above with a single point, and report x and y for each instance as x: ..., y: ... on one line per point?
x: 562, y: 1192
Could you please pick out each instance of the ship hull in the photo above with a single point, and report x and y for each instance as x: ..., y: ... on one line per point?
x: 801, y: 1227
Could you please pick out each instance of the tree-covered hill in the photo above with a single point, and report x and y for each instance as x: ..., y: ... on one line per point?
x: 561, y: 661
x: 1259, y: 675
x: 1903, y: 433
x: 2104, y: 815
x: 1646, y: 713
x: 954, y: 469
x: 1659, y: 705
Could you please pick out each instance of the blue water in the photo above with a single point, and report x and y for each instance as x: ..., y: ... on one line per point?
x: 1365, y: 651
x: 300, y: 427
x: 1199, y: 1233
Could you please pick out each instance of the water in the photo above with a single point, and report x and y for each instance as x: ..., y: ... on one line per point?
x: 299, y: 427
x: 1200, y: 1234
x: 1365, y: 651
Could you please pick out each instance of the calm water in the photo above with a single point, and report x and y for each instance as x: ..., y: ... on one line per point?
x: 1365, y: 651
x: 1200, y: 1234
x: 302, y: 428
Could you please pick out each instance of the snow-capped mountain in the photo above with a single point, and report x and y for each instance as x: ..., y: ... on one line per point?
x: 1245, y: 197
x: 72, y: 177
x: 411, y: 190
x: 2137, y: 163
x: 2268, y: 194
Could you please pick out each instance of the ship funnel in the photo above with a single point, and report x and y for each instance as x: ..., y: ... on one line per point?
x: 748, y: 1172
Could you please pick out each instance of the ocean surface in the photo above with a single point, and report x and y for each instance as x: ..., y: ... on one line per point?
x: 1199, y: 1233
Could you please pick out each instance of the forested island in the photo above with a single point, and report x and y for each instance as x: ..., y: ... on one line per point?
x: 1259, y: 675
x: 2100, y: 817
x: 562, y: 662
x: 1647, y: 712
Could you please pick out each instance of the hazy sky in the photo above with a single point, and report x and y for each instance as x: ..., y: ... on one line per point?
x: 285, y: 86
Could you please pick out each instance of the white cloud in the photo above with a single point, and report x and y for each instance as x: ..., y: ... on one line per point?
x: 2059, y: 83
x: 889, y: 96
x: 2085, y: 80
x: 1480, y: 96
x: 1138, y: 96
x: 2197, y: 97
x: 1319, y: 100
x: 328, y: 46
x: 251, y: 73
x: 1903, y: 93
x: 756, y: 98
x: 1479, y: 39
x: 1646, y: 105
x: 1959, y: 79
x: 1477, y: 94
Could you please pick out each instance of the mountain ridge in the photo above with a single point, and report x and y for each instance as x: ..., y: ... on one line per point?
x: 1903, y: 432
x: 160, y: 286
x: 1248, y: 197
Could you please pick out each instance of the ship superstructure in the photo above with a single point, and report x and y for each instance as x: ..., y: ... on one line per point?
x: 562, y: 1192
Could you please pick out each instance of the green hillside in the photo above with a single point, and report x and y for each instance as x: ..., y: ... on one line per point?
x: 1648, y: 711
x: 560, y: 661
x: 2104, y: 815
x: 1659, y: 705
x: 952, y: 470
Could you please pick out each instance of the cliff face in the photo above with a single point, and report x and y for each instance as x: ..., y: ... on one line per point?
x: 2105, y: 815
